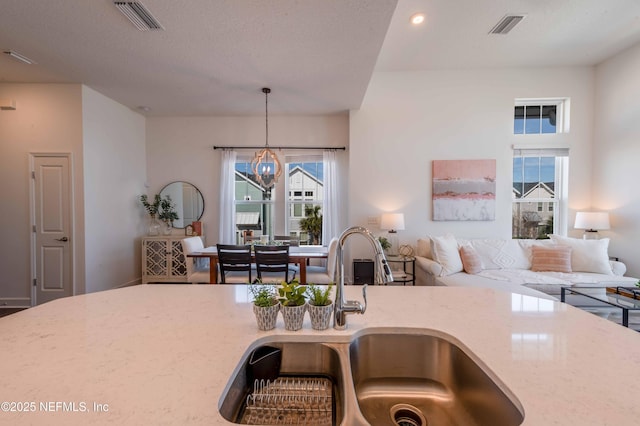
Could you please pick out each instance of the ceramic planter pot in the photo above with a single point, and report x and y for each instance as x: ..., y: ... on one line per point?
x: 320, y: 316
x: 266, y: 317
x: 293, y: 316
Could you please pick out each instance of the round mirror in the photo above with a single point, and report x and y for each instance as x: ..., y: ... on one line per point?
x: 188, y: 201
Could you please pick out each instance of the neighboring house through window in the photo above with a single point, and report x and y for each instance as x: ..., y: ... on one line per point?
x: 305, y: 177
x: 256, y: 207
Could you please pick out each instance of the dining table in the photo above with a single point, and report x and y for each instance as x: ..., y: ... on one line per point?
x: 297, y: 255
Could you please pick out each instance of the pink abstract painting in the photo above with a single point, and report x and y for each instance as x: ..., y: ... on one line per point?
x: 464, y: 190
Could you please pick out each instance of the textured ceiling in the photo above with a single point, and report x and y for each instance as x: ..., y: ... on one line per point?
x: 317, y: 56
x: 553, y: 33
x: 213, y: 57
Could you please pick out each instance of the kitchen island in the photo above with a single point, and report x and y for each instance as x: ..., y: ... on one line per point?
x: 163, y: 354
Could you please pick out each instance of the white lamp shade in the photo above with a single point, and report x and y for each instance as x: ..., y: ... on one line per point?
x: 392, y: 221
x: 592, y: 220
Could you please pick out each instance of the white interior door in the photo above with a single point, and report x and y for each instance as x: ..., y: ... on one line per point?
x: 52, y: 249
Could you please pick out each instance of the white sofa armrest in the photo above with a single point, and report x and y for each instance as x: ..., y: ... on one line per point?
x: 618, y: 267
x: 429, y: 266
x: 426, y: 271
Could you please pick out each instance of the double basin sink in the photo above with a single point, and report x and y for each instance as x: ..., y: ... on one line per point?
x: 405, y: 377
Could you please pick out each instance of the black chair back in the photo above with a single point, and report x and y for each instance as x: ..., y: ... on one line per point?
x: 272, y: 259
x: 234, y: 258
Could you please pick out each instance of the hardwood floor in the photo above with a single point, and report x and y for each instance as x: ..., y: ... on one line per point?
x: 9, y: 311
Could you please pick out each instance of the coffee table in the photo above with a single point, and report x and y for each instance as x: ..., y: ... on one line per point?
x: 625, y: 298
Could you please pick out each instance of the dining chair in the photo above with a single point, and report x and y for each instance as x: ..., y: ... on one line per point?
x: 324, y: 274
x: 235, y: 263
x: 272, y: 263
x: 197, y: 269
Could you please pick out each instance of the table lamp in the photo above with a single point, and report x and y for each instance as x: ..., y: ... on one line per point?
x: 392, y: 222
x: 591, y: 222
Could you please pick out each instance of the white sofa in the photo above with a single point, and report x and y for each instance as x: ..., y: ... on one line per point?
x: 506, y: 265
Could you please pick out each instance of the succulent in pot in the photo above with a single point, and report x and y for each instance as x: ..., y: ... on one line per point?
x: 265, y: 305
x: 294, y: 304
x: 320, y: 305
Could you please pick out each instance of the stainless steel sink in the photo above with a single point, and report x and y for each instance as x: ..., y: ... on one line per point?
x: 299, y: 361
x: 417, y: 379
x: 404, y: 377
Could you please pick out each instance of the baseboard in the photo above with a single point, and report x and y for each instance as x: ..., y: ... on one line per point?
x: 15, y: 302
x: 131, y: 283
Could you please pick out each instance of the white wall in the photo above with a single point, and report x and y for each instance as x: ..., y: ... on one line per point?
x: 409, y: 119
x: 181, y: 148
x: 48, y: 118
x: 114, y: 177
x: 616, y: 169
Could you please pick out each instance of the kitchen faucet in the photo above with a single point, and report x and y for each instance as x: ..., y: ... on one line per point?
x: 382, y: 275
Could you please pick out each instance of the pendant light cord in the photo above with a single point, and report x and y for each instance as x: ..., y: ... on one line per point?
x: 266, y: 91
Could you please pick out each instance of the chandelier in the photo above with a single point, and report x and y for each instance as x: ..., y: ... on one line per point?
x: 265, y: 164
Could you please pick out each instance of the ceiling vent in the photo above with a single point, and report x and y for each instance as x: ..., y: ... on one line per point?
x: 506, y: 24
x: 139, y: 15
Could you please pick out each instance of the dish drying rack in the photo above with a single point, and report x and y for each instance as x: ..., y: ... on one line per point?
x: 290, y: 401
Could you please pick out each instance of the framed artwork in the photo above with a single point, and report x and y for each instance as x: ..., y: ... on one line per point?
x: 188, y: 231
x: 464, y: 190
x: 197, y: 227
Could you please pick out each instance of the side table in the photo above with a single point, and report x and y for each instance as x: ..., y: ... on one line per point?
x: 403, y: 275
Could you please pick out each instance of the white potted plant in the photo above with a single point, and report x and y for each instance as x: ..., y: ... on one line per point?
x: 294, y: 304
x: 320, y: 306
x: 265, y: 305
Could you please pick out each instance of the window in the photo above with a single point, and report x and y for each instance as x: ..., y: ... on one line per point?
x: 539, y: 179
x: 538, y: 116
x: 254, y: 205
x: 305, y: 177
x: 260, y: 212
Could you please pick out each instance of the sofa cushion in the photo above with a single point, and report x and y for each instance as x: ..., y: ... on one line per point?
x: 468, y: 280
x: 554, y: 259
x: 445, y: 251
x: 587, y: 255
x: 471, y: 262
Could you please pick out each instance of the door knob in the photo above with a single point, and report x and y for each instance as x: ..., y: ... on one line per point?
x: 63, y: 239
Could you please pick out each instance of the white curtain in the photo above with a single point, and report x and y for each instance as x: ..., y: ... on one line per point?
x: 330, y: 197
x: 227, y: 232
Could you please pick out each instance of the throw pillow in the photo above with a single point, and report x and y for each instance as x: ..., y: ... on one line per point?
x: 501, y: 253
x: 587, y: 255
x: 424, y: 248
x: 553, y: 259
x: 471, y: 262
x: 445, y: 251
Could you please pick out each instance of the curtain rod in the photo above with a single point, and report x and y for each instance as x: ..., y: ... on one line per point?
x: 337, y: 148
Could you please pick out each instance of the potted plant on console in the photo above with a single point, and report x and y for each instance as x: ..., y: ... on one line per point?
x: 294, y: 304
x: 152, y: 209
x: 167, y: 214
x: 265, y: 305
x: 320, y: 306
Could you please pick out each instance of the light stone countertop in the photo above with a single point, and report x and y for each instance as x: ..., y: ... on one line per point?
x: 163, y: 354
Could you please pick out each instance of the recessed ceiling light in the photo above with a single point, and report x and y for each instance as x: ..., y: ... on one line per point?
x: 417, y: 18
